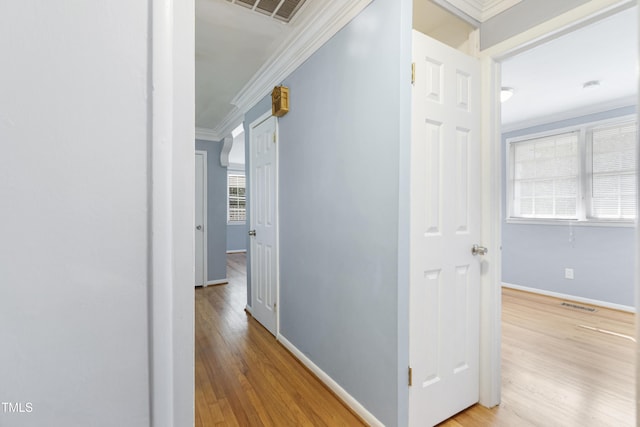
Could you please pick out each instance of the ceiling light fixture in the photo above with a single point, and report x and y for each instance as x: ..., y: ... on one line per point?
x: 591, y: 84
x: 506, y: 93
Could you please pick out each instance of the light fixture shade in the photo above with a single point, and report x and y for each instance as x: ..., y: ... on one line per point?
x: 506, y: 93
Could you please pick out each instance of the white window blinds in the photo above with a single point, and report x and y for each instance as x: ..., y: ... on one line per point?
x: 613, y: 165
x: 545, y: 179
x: 237, y: 199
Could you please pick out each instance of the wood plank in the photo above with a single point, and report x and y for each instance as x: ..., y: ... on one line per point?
x: 561, y: 366
x: 244, y: 377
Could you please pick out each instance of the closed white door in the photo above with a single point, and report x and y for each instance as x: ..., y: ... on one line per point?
x: 445, y: 224
x: 201, y: 219
x: 263, y: 223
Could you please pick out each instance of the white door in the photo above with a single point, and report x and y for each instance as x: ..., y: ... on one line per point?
x: 201, y: 219
x: 263, y: 223
x: 445, y: 224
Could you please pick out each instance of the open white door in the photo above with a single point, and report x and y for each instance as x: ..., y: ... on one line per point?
x: 201, y: 218
x: 445, y: 225
x: 263, y: 222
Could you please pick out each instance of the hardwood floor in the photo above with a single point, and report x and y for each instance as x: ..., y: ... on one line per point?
x: 562, y: 366
x: 243, y: 376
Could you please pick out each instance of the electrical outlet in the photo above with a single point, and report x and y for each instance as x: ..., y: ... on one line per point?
x: 568, y: 273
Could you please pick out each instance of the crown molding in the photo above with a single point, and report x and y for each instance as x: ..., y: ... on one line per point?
x: 205, y: 134
x: 481, y: 10
x: 628, y: 101
x: 311, y: 33
x: 229, y: 123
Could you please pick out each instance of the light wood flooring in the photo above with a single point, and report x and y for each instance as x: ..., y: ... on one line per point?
x: 561, y: 366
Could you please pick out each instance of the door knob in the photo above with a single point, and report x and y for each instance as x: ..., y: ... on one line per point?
x: 252, y: 232
x: 199, y: 227
x: 479, y: 250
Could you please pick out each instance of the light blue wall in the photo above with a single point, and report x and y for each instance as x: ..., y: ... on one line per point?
x: 343, y: 154
x: 603, y: 258
x: 521, y: 17
x: 216, y: 211
x: 237, y: 237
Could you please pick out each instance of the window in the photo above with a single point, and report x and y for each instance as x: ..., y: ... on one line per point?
x: 237, y: 211
x: 586, y: 173
x: 613, y: 172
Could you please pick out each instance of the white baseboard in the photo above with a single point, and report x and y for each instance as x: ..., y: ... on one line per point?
x: 240, y: 251
x: 248, y: 309
x: 598, y: 303
x: 348, y: 400
x: 217, y: 282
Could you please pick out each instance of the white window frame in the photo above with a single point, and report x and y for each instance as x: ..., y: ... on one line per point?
x: 583, y: 211
x: 236, y: 173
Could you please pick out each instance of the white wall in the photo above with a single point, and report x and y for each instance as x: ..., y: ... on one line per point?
x: 74, y: 184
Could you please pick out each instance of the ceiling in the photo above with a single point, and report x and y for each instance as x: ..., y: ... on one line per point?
x: 232, y: 43
x: 548, y: 79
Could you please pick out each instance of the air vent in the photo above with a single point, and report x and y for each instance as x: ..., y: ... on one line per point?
x: 578, y: 307
x: 282, y: 10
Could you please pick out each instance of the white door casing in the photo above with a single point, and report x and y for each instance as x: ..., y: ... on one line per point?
x: 263, y: 220
x: 200, y: 223
x: 445, y: 224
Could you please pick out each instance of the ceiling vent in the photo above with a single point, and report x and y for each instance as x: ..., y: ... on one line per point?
x: 282, y: 10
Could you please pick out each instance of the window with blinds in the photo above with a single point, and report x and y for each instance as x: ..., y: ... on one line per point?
x: 584, y: 173
x: 546, y: 177
x: 613, y: 171
x: 237, y: 211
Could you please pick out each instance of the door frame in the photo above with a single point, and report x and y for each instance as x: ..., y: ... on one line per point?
x: 491, y: 296
x: 205, y: 266
x: 265, y: 116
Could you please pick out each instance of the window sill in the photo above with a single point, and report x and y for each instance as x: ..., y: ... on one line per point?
x: 573, y: 222
x: 236, y: 223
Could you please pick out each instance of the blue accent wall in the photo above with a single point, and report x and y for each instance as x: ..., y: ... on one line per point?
x: 237, y: 237
x: 603, y: 257
x: 216, y: 211
x: 343, y: 162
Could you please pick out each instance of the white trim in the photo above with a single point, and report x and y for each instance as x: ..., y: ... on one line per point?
x: 231, y: 121
x: 171, y: 181
x: 562, y: 24
x: 248, y: 309
x: 224, y: 152
x: 629, y: 101
x: 217, y: 282
x: 342, y: 394
x: 205, y: 208
x: 204, y: 134
x: 314, y: 30
x: 237, y: 251
x: 491, y: 277
x: 482, y: 10
x: 575, y: 298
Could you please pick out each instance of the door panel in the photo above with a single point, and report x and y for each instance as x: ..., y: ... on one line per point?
x: 445, y: 223
x: 263, y: 219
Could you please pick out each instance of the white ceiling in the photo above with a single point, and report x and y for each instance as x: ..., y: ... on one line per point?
x: 548, y: 79
x: 232, y: 43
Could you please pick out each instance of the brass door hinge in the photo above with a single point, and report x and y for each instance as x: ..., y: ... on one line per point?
x: 410, y: 376
x: 413, y: 72
x: 274, y: 137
